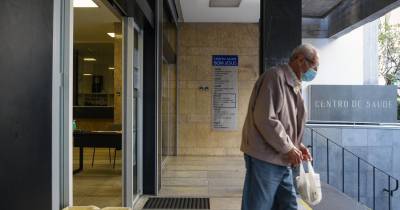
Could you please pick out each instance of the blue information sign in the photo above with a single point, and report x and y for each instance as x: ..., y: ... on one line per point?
x: 225, y: 60
x: 225, y: 92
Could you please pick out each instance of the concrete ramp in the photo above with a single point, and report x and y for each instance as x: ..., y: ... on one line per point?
x: 335, y: 200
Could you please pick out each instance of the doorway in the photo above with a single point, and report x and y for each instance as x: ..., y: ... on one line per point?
x: 107, y: 104
x: 97, y: 105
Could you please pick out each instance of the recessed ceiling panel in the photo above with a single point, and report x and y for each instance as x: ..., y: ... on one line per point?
x: 248, y: 10
x: 200, y: 11
x: 93, y: 24
x: 225, y: 3
x: 318, y: 8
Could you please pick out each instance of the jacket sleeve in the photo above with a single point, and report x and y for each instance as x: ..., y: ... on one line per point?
x: 267, y: 105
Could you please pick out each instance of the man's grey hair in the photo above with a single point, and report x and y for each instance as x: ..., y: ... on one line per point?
x: 308, y: 50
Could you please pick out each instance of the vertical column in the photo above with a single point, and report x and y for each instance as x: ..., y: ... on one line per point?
x: 118, y: 74
x: 371, y: 59
x: 159, y: 5
x: 280, y: 31
x: 150, y: 114
x: 26, y: 81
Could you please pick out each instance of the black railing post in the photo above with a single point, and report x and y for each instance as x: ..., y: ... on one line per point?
x: 358, y: 179
x: 359, y: 159
x: 389, y: 194
x: 373, y: 187
x: 343, y: 169
x: 327, y: 160
x: 312, y: 145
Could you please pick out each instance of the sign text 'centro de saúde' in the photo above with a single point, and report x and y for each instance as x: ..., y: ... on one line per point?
x: 352, y: 103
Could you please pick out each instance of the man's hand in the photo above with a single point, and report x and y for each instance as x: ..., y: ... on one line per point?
x: 295, y: 156
x: 306, y: 155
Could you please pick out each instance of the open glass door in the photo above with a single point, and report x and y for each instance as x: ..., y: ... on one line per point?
x: 96, y: 105
x: 133, y: 113
x: 137, y: 101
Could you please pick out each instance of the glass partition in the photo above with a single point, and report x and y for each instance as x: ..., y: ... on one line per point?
x: 169, y: 88
x: 94, y: 74
x: 97, y: 106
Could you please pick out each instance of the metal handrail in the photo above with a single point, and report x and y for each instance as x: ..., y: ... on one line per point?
x: 359, y: 160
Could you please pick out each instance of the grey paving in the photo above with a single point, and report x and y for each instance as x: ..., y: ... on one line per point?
x: 335, y: 200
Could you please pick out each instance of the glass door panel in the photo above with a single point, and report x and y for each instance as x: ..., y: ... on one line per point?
x: 136, y: 106
x: 133, y: 113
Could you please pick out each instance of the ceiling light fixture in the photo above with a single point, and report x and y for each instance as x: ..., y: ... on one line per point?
x: 89, y: 59
x: 111, y: 68
x: 111, y: 34
x: 225, y: 3
x: 87, y: 74
x: 85, y: 4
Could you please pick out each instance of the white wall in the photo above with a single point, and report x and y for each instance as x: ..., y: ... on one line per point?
x: 341, y: 60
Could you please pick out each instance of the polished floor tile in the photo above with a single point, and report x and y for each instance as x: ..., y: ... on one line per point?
x: 100, y: 184
x: 220, y: 178
x: 225, y: 203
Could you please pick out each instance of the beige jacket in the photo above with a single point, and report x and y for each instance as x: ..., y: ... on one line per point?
x: 276, y: 117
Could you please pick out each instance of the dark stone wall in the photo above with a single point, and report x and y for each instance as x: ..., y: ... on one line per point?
x: 280, y: 27
x: 26, y: 36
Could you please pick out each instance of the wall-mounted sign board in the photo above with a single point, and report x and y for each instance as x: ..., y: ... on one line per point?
x: 225, y: 92
x: 352, y: 103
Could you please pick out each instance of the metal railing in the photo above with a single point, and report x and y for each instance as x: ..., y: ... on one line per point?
x: 329, y: 144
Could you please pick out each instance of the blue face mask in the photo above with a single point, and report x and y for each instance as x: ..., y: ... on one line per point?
x: 309, y: 75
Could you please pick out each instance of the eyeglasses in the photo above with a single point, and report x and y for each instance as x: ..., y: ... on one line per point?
x: 312, y: 63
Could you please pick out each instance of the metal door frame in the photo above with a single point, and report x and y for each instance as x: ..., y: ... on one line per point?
x: 62, y: 104
x: 62, y: 158
x: 129, y: 65
x: 127, y: 188
x: 140, y: 114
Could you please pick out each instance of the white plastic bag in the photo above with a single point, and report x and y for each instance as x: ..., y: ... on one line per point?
x: 309, y: 185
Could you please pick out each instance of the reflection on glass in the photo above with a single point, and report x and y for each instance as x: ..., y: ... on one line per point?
x: 97, y: 107
x: 169, y: 30
x: 168, y: 90
x: 95, y: 79
x: 136, y: 88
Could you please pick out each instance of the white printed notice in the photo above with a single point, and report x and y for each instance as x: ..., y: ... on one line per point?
x: 225, y: 95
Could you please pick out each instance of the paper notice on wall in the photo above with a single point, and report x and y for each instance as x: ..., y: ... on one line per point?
x: 225, y: 92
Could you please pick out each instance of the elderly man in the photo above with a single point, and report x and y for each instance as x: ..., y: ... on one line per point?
x: 273, y: 131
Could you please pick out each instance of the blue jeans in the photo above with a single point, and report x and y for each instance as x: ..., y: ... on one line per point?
x: 268, y: 186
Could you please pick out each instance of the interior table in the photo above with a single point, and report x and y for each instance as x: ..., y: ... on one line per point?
x: 102, y: 139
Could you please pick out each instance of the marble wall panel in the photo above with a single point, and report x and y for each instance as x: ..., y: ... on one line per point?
x: 198, y: 42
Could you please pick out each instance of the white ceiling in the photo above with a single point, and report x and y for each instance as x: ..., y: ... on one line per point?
x: 93, y: 24
x: 199, y: 11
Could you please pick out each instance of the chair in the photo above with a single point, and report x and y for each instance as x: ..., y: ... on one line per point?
x: 113, y: 127
x: 115, y: 155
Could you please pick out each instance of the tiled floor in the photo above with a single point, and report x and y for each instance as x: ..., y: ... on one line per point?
x: 203, y: 176
x: 220, y: 178
x: 99, y: 185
